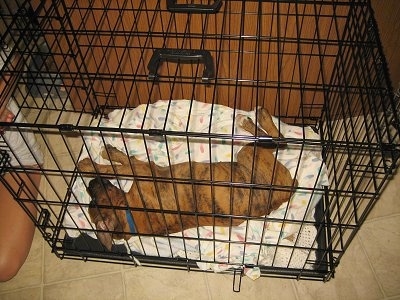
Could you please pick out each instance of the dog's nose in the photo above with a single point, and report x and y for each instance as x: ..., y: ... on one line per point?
x: 96, y: 184
x: 92, y: 204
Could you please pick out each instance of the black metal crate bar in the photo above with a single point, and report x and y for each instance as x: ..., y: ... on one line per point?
x: 72, y: 66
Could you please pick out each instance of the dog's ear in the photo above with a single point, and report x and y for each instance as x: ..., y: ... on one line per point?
x: 105, y: 236
x: 102, y: 223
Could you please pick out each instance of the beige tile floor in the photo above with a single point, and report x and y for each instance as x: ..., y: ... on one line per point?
x: 370, y: 269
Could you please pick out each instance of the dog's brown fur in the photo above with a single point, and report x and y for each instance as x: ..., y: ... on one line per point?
x: 174, y: 203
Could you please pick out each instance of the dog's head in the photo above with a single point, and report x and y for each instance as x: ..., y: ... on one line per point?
x: 103, y: 209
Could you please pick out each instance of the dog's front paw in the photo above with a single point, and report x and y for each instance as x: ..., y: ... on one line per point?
x: 112, y: 154
x: 107, y: 152
x: 86, y: 165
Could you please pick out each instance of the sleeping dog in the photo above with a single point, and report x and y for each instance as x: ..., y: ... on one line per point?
x: 188, y: 194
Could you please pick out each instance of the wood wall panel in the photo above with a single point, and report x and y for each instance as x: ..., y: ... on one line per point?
x: 291, y: 62
x: 387, y: 14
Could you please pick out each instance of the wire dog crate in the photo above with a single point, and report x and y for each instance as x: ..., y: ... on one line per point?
x: 165, y: 82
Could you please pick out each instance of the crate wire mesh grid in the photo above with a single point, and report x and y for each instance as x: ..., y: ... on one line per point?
x: 144, y: 76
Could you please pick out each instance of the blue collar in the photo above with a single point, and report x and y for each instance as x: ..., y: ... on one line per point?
x: 131, y: 223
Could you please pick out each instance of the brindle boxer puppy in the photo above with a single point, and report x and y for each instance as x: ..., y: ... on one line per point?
x: 183, y: 196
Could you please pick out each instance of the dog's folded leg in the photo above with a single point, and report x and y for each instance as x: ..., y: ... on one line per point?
x: 87, y: 165
x: 113, y: 154
x: 105, y: 236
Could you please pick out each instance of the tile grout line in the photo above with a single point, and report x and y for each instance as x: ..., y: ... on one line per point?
x: 368, y: 221
x: 80, y: 278
x: 294, y: 289
x: 395, y: 297
x: 207, y: 285
x: 371, y: 266
x: 122, y: 271
x: 18, y: 289
x: 43, y: 268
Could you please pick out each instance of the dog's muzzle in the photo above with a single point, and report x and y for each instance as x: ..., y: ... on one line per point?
x: 97, y: 184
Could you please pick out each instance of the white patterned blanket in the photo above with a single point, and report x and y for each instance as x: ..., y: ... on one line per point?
x: 260, y: 241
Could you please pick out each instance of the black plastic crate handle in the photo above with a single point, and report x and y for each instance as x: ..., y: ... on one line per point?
x: 181, y: 55
x: 172, y: 6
